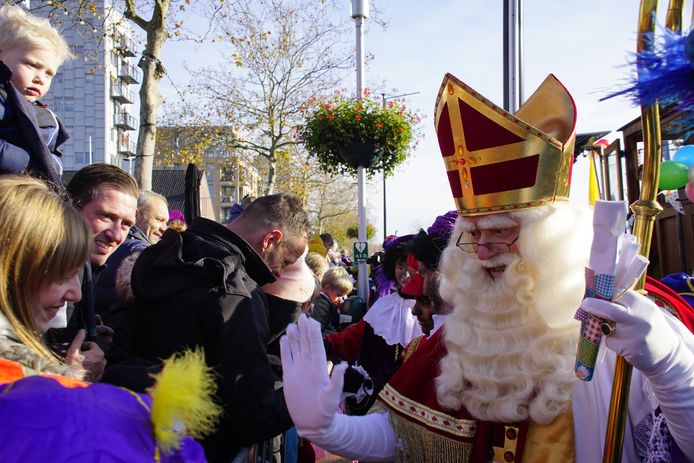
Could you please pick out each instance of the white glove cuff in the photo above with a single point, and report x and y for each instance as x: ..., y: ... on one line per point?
x: 369, y: 437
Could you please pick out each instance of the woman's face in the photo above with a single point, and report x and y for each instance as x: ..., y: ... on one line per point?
x: 402, y: 273
x: 53, y: 296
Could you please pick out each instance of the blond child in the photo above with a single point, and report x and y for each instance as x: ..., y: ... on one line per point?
x: 336, y: 285
x: 31, y: 51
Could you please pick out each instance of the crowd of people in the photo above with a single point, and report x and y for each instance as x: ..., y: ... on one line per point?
x: 466, y: 351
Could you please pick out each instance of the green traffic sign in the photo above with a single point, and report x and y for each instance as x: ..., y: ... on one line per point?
x: 360, y: 251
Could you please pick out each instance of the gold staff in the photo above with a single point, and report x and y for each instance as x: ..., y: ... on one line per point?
x: 645, y: 211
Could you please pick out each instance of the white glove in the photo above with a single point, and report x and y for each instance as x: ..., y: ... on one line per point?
x: 662, y: 350
x: 312, y: 396
x: 643, y: 336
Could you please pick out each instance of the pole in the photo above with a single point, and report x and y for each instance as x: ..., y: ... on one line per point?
x: 513, y: 55
x: 385, y: 216
x: 645, y: 211
x: 360, y: 11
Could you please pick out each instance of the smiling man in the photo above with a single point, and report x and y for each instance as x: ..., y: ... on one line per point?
x: 150, y: 224
x: 106, y: 197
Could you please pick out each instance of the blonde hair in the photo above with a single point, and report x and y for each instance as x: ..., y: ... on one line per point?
x: 21, y: 29
x: 338, y: 280
x: 317, y: 263
x: 43, y: 239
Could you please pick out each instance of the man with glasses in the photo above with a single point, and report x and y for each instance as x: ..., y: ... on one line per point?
x: 498, y: 383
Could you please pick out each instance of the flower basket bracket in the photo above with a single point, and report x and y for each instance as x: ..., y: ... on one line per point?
x: 361, y: 154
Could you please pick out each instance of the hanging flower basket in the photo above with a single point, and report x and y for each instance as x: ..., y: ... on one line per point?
x: 361, y: 154
x: 346, y: 133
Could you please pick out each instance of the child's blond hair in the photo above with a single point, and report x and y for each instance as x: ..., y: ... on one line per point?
x: 337, y: 279
x: 21, y: 29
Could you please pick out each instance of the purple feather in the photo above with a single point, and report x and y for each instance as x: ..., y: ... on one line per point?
x: 443, y: 225
x: 664, y: 74
x: 383, y: 285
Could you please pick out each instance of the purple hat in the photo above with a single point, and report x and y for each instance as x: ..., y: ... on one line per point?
x: 682, y: 284
x: 175, y: 214
x: 50, y: 422
x: 443, y: 225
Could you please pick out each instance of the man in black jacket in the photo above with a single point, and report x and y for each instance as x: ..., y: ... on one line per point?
x: 201, y: 288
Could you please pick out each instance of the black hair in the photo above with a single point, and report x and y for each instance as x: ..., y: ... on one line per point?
x: 428, y: 248
x: 394, y: 254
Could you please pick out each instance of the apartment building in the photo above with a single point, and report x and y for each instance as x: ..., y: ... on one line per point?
x: 96, y: 94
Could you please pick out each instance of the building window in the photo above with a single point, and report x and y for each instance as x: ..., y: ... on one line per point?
x: 81, y: 159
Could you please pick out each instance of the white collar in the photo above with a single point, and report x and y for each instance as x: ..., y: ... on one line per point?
x: 391, y: 318
x: 439, y: 320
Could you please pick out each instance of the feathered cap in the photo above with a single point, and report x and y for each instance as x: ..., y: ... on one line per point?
x: 497, y: 161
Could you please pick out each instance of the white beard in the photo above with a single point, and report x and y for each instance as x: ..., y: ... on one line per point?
x: 511, y: 342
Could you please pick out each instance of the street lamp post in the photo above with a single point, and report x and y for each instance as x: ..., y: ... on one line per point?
x: 360, y: 11
x: 385, y: 222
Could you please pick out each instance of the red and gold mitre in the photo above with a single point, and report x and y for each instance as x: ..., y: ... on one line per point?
x: 497, y: 161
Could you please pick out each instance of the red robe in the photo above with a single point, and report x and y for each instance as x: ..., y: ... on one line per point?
x: 456, y: 435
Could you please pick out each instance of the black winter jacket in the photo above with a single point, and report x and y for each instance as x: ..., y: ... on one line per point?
x: 202, y: 288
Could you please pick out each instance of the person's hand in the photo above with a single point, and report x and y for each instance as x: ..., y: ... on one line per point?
x: 642, y: 335
x: 311, y: 395
x: 104, y: 334
x: 86, y: 359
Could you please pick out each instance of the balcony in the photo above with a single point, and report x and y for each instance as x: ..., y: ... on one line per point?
x: 127, y: 147
x: 226, y: 200
x: 129, y: 73
x: 124, y: 120
x: 124, y: 45
x: 120, y: 93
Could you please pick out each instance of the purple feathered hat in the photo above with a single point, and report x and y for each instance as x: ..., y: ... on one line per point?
x: 443, y: 225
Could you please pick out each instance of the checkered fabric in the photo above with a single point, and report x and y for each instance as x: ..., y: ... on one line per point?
x: 591, y: 329
x: 604, y: 286
x: 599, y: 286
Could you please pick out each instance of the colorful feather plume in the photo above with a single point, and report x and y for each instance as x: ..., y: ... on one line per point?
x: 664, y: 73
x: 182, y: 400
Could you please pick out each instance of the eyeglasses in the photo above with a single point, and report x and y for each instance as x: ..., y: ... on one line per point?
x: 493, y: 247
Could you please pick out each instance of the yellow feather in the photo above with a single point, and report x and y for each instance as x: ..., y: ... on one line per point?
x: 182, y: 400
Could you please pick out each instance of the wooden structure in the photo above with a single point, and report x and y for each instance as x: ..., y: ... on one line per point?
x: 672, y: 247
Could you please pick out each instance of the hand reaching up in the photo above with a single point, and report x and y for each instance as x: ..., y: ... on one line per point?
x: 312, y: 396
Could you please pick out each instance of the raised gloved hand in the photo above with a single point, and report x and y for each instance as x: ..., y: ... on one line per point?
x: 642, y: 335
x: 662, y: 350
x: 312, y: 396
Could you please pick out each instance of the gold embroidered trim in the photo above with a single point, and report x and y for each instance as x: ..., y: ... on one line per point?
x: 418, y: 444
x: 432, y: 418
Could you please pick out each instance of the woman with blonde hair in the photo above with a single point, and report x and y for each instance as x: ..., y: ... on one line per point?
x: 45, y: 244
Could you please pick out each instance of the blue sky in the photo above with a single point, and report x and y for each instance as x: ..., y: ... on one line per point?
x: 584, y: 43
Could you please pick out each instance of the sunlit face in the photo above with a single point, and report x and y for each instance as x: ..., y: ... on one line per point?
x: 109, y: 216
x: 280, y: 254
x: 32, y: 69
x: 430, y: 288
x: 52, y: 297
x: 423, y: 309
x: 153, y: 220
x: 494, y: 238
x: 402, y: 273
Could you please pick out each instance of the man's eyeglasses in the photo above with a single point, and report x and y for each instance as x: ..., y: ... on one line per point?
x: 493, y: 247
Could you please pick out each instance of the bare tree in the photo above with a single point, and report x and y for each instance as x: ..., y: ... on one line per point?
x: 152, y: 73
x: 283, y: 51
